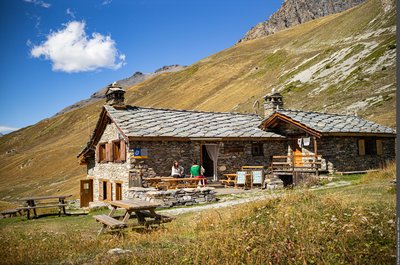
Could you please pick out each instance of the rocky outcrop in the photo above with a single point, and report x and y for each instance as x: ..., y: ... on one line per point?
x: 294, y: 12
x: 137, y: 77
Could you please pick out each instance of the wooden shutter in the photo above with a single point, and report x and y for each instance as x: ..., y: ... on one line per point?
x: 98, y: 153
x: 122, y: 150
x: 109, y: 152
x: 109, y: 191
x: 379, y: 150
x: 361, y: 147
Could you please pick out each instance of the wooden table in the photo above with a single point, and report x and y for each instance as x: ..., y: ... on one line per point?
x: 133, y: 208
x: 231, y: 178
x: 31, y: 203
x: 174, y: 183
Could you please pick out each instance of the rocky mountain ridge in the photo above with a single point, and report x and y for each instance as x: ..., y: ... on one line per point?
x: 136, y: 78
x: 295, y: 12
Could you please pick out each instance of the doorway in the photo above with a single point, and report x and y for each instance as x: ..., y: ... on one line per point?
x: 297, y: 153
x: 207, y: 163
x: 86, y: 195
x: 209, y: 159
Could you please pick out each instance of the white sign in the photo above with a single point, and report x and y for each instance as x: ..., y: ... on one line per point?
x: 241, y: 177
x: 257, y: 177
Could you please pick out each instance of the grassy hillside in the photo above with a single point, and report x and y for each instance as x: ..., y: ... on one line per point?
x: 347, y: 225
x: 340, y: 63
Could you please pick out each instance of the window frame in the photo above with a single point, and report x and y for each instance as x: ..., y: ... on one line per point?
x: 257, y: 149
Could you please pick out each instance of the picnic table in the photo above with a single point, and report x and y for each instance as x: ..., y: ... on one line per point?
x: 32, y: 203
x: 133, y: 208
x: 175, y: 183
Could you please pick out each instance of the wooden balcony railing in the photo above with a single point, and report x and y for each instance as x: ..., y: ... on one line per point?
x: 282, y: 165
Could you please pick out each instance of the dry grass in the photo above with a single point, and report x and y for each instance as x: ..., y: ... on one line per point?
x: 348, y: 225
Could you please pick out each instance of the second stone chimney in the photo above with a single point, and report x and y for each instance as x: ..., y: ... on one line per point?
x: 115, y: 95
x: 273, y: 102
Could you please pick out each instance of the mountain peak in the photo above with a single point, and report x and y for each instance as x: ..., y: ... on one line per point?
x: 295, y: 12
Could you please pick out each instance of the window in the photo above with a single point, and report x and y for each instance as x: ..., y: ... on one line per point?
x: 257, y: 149
x: 111, y: 152
x: 369, y: 147
x: 102, y: 154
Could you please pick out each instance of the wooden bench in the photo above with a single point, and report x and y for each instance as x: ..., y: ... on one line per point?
x: 109, y: 222
x: 11, y: 212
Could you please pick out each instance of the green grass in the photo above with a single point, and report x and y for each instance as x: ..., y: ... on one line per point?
x: 346, y: 225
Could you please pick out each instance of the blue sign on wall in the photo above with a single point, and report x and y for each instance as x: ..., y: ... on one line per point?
x: 140, y: 153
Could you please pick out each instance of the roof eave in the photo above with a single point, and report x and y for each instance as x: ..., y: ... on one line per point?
x: 280, y: 117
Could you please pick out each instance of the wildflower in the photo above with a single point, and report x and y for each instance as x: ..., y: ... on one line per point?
x: 333, y: 218
x: 390, y: 221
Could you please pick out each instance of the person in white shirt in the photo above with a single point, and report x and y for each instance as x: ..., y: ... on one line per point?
x: 177, y: 170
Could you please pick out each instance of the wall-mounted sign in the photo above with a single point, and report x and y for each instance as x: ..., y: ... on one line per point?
x: 140, y: 153
x: 241, y: 177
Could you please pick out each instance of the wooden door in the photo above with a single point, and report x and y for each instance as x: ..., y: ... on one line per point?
x: 118, y: 191
x: 86, y: 192
x: 298, y: 154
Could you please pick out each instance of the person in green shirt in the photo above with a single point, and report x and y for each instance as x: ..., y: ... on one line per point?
x: 196, y: 170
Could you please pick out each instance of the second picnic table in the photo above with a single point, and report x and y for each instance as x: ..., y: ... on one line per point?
x: 173, y: 183
x: 31, y: 203
x: 133, y: 208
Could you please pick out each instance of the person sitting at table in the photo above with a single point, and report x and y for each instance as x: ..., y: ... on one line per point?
x: 177, y: 170
x: 197, y: 171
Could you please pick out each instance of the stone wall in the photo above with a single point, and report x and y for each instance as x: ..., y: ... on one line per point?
x: 161, y: 156
x: 171, y: 198
x: 341, y: 153
x: 232, y: 155
x: 113, y: 172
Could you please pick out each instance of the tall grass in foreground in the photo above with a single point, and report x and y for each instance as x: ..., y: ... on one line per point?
x: 348, y: 225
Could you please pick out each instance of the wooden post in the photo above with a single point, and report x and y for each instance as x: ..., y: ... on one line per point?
x: 316, y: 155
x: 293, y: 176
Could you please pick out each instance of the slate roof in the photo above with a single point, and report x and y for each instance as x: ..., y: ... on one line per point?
x: 335, y: 123
x: 149, y: 122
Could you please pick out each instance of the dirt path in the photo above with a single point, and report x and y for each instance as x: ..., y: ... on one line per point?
x: 233, y: 202
x: 218, y: 205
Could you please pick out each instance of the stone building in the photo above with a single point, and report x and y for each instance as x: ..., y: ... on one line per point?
x: 130, y: 143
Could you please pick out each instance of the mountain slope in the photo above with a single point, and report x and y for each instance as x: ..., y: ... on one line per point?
x: 295, y: 12
x: 340, y: 63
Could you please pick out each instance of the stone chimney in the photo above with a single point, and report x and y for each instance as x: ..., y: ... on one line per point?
x: 115, y: 95
x: 272, y: 102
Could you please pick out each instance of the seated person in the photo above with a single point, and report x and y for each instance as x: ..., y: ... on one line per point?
x: 197, y: 171
x: 177, y: 170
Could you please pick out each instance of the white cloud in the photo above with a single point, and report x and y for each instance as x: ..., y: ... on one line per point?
x: 70, y: 12
x: 71, y: 50
x: 7, y: 129
x: 39, y: 3
x: 106, y: 2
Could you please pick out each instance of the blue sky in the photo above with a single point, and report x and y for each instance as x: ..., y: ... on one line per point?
x: 55, y: 53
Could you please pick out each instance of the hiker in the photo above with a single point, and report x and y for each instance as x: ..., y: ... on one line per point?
x: 177, y: 170
x: 197, y: 171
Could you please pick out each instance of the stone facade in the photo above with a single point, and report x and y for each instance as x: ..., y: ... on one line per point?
x: 232, y: 155
x: 109, y: 171
x: 341, y: 153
